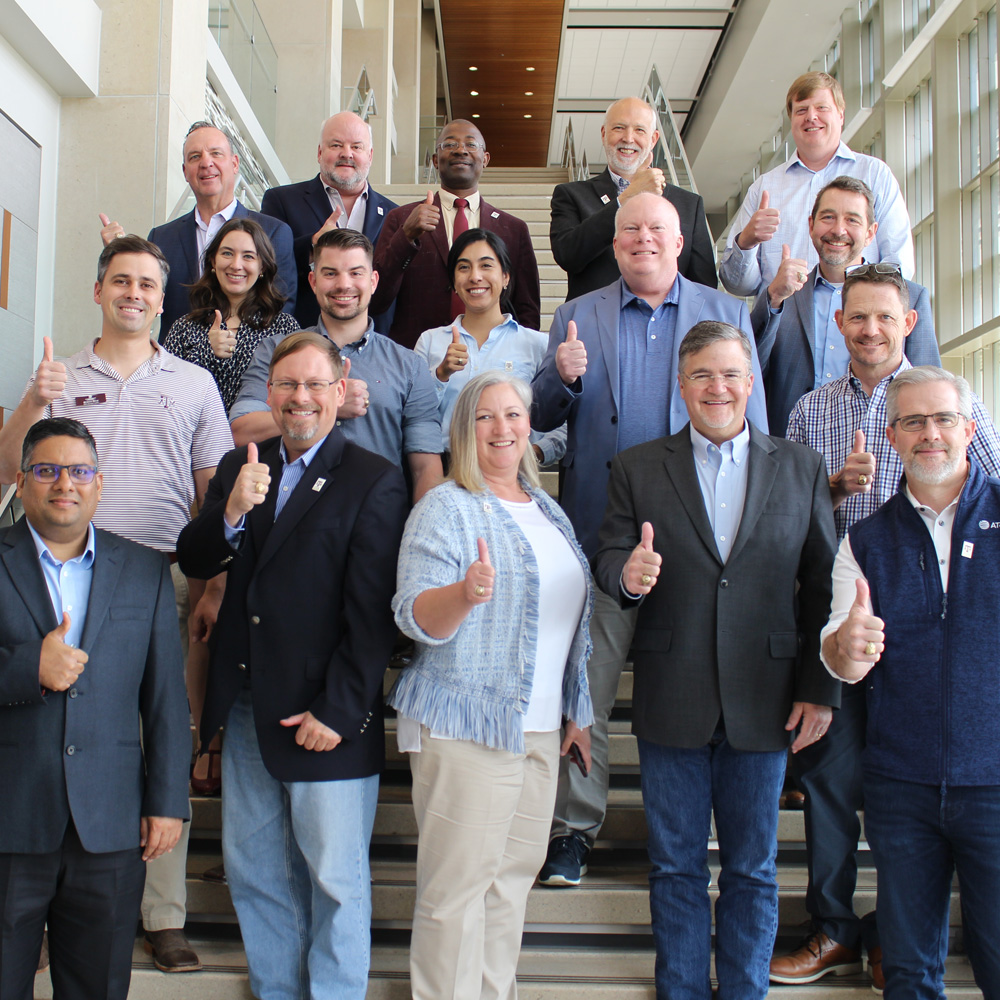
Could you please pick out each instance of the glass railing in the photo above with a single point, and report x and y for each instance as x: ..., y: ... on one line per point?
x: 669, y: 155
x: 242, y: 36
x: 576, y: 166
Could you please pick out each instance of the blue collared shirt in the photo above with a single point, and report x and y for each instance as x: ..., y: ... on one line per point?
x: 645, y: 366
x: 722, y: 476
x: 830, y: 354
x: 68, y: 583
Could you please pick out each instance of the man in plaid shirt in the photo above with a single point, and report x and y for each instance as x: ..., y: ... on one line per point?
x: 845, y: 420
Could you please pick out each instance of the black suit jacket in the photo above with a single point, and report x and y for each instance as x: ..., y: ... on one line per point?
x: 307, y: 606
x: 304, y: 207
x: 76, y: 755
x: 583, y: 226
x: 416, y: 277
x: 179, y: 242
x: 729, y: 639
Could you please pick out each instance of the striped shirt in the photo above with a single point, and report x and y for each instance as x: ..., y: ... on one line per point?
x: 826, y: 419
x: 792, y: 188
x: 153, y: 430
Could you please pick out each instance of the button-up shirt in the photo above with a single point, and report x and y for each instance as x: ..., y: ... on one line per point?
x: 722, y: 476
x: 830, y: 354
x: 448, y: 211
x: 356, y: 219
x: 68, y: 583
x: 205, y: 231
x: 792, y: 188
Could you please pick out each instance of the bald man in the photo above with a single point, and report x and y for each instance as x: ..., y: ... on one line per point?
x: 338, y: 197
x: 583, y: 212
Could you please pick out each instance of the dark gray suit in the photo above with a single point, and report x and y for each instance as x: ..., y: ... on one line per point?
x: 74, y: 778
x: 785, y: 346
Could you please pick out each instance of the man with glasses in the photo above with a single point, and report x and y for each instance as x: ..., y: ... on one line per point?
x: 90, y: 649
x: 845, y: 421
x: 611, y: 373
x: 412, y: 249
x: 916, y: 591
x: 391, y: 405
x: 722, y: 539
x: 794, y: 318
x: 308, y: 530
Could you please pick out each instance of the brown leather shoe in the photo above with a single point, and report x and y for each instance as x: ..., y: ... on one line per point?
x: 171, y: 951
x: 875, y: 969
x: 813, y: 959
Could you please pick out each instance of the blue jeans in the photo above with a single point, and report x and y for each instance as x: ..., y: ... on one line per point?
x: 920, y: 835
x: 296, y: 857
x: 680, y: 789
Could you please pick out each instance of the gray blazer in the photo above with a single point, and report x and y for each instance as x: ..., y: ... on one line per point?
x: 785, y: 346
x: 76, y: 755
x: 726, y: 639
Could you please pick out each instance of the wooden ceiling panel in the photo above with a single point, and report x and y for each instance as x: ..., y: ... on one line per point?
x: 502, y: 38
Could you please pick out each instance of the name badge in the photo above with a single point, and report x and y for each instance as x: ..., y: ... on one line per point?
x: 92, y: 400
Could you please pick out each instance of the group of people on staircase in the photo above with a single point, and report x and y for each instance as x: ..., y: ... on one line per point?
x: 752, y: 505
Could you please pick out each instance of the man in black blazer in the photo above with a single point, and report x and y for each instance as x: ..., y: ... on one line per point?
x: 412, y: 251
x: 339, y: 196
x: 583, y: 212
x: 309, y: 532
x: 210, y: 168
x: 724, y: 538
x: 88, y: 649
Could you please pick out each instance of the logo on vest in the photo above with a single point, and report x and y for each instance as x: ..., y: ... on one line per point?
x: 986, y: 525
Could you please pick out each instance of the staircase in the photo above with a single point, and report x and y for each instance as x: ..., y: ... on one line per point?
x: 587, y: 943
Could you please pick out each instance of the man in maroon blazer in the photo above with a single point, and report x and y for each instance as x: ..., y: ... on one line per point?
x: 412, y: 249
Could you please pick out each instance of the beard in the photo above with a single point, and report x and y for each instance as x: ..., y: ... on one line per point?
x: 938, y: 472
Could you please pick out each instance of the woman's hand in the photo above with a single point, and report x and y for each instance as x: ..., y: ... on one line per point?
x: 455, y: 358
x: 223, y: 342
x: 479, y: 577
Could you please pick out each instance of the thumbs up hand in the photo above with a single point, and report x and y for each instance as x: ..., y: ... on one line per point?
x: 762, y: 226
x: 60, y: 665
x: 222, y: 342
x: 647, y: 179
x: 109, y: 230
x: 861, y: 636
x: 423, y: 219
x: 571, y: 356
x: 480, y: 576
x: 50, y: 378
x: 455, y: 358
x: 249, y: 489
x: 791, y: 276
x: 858, y: 472
x: 643, y: 566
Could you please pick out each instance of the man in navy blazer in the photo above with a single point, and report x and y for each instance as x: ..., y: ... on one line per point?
x: 210, y: 168
x: 583, y: 212
x: 611, y: 374
x: 309, y: 532
x: 89, y: 649
x: 339, y: 196
x: 412, y: 251
x: 794, y: 318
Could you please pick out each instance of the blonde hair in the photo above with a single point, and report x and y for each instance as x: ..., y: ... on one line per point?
x: 464, y: 469
x: 806, y: 85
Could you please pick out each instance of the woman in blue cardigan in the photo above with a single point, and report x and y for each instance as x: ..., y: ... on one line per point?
x: 496, y: 592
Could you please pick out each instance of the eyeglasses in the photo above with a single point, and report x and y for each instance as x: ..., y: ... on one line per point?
x: 46, y: 472
x: 316, y: 386
x: 917, y: 421
x: 708, y: 378
x: 451, y: 145
x: 882, y: 267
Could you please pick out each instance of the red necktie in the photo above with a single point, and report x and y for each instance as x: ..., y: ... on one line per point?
x: 461, y: 226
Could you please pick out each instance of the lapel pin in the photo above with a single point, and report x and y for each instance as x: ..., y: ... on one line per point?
x: 318, y: 485
x: 605, y: 199
x: 494, y: 215
x: 380, y: 212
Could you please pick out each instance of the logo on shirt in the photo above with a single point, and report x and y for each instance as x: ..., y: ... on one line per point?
x: 94, y: 399
x: 166, y: 402
x: 986, y: 525
x: 508, y: 366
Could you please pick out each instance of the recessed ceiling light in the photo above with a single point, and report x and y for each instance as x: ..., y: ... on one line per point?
x: 475, y: 116
x: 473, y: 68
x: 527, y: 116
x: 529, y: 93
x: 475, y: 93
x: 530, y: 69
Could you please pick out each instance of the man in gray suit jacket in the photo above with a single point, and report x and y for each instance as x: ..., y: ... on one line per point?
x: 610, y: 373
x: 723, y: 538
x: 89, y: 648
x: 795, y: 318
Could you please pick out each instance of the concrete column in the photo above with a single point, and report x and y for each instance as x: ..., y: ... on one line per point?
x: 407, y: 52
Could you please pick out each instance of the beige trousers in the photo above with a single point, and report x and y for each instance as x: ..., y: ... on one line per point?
x: 484, y: 818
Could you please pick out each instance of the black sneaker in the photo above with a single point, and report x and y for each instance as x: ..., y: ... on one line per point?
x: 566, y: 862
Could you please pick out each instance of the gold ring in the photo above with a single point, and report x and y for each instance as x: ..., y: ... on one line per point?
x: 869, y: 649
x: 480, y: 590
x: 646, y: 579
x: 259, y: 488
x: 803, y: 275
x: 862, y: 480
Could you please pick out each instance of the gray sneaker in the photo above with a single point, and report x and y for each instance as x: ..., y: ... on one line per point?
x: 566, y: 862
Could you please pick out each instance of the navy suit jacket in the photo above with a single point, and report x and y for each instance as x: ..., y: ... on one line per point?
x: 304, y: 207
x: 75, y: 756
x: 179, y: 242
x: 737, y: 638
x: 591, y: 405
x: 785, y: 346
x: 307, y: 609
x: 583, y: 226
x: 416, y: 277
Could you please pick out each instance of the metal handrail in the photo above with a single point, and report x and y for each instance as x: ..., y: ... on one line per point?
x: 669, y: 154
x: 577, y: 171
x: 9, y: 510
x: 362, y: 99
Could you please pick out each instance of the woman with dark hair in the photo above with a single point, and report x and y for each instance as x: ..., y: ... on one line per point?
x: 234, y: 306
x: 486, y: 336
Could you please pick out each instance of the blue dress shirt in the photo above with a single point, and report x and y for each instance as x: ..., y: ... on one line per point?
x: 722, y: 476
x: 68, y: 583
